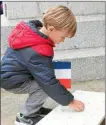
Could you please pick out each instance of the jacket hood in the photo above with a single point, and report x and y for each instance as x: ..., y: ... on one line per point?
x: 26, y: 34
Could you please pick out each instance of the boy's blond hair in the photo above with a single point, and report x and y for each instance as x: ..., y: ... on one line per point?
x: 61, y: 18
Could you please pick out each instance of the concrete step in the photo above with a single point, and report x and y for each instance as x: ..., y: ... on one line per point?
x: 18, y: 100
x: 16, y: 10
x: 87, y: 64
x: 90, y: 33
x: 78, y: 8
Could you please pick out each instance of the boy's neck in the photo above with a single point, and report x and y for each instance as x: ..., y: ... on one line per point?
x: 44, y: 31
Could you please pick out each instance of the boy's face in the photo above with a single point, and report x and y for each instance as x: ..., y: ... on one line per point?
x: 56, y: 36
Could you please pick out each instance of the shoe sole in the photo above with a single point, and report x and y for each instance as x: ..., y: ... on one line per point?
x: 17, y: 123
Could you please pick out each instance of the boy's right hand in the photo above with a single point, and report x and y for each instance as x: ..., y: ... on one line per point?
x: 77, y: 105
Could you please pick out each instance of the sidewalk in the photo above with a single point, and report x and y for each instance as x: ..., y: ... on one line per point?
x: 11, y: 103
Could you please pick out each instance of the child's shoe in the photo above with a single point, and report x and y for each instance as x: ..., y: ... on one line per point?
x: 24, y: 120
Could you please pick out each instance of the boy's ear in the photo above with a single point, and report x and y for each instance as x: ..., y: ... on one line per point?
x: 50, y: 28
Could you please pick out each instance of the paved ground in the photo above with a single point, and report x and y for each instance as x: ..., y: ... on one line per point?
x: 11, y: 103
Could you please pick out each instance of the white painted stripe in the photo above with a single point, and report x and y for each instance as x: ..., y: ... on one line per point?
x: 93, y: 113
x: 63, y: 73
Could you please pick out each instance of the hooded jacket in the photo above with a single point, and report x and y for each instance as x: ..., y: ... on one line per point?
x: 29, y: 57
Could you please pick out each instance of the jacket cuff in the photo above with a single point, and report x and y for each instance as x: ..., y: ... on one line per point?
x: 69, y: 100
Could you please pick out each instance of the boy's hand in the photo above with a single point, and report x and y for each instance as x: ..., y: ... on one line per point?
x: 77, y: 105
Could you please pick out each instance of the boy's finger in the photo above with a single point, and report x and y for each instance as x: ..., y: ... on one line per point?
x: 78, y: 109
x: 82, y: 108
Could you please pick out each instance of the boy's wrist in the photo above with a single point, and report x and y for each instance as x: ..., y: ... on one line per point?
x: 71, y: 101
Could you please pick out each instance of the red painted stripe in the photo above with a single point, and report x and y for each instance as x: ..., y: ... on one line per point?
x: 66, y: 82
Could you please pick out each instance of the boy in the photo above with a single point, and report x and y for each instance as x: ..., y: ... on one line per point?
x: 27, y: 65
